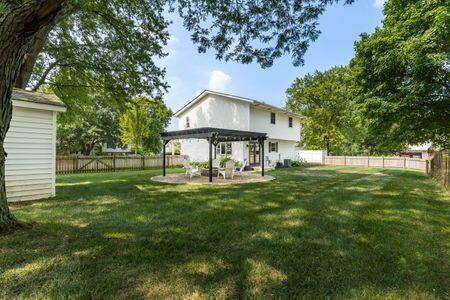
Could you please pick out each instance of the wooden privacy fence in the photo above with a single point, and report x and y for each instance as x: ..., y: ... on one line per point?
x: 92, y: 164
x: 378, y: 162
x: 440, y: 167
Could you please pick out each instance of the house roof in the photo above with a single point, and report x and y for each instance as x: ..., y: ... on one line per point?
x: 36, y: 97
x: 421, y: 147
x: 219, y: 134
x: 253, y: 102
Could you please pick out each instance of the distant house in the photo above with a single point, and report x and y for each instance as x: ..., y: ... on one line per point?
x: 31, y: 146
x: 116, y: 150
x: 417, y: 151
x: 219, y: 110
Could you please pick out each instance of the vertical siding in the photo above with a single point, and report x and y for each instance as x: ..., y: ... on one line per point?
x: 30, y: 144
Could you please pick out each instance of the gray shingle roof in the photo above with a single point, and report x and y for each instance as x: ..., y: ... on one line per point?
x: 36, y: 97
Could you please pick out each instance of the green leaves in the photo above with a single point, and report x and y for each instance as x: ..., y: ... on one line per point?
x: 142, y: 122
x: 106, y: 47
x: 247, y: 31
x: 90, y: 127
x: 332, y: 118
x: 401, y: 75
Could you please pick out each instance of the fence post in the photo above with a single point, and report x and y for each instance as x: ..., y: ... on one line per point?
x: 143, y: 162
x: 345, y: 160
x: 445, y: 170
x: 114, y: 162
x: 368, y: 161
x: 404, y: 162
x: 382, y: 162
x: 427, y: 166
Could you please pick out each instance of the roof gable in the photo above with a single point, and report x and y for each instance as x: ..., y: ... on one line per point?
x: 253, y: 102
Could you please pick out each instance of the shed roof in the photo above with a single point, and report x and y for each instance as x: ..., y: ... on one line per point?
x: 36, y: 97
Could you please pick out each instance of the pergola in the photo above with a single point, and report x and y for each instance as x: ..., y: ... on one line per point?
x: 214, y: 136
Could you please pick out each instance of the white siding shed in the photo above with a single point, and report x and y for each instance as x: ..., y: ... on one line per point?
x: 31, y: 146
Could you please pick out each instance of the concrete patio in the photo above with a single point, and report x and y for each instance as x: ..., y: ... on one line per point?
x: 181, y: 178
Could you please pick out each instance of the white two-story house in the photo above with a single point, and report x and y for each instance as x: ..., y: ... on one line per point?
x: 219, y: 110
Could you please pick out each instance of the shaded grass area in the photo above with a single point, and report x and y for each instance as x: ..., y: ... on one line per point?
x: 313, y: 232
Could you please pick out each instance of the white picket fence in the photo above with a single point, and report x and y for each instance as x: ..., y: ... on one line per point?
x: 378, y: 162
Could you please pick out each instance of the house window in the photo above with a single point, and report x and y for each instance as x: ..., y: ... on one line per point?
x: 188, y: 123
x: 272, y: 118
x: 224, y: 149
x: 290, y: 121
x: 273, y: 147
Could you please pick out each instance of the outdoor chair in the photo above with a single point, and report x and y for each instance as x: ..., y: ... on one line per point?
x: 228, y: 171
x: 191, y: 171
x: 216, y: 165
x: 239, y: 172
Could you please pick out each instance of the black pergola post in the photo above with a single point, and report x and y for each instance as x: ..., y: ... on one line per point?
x: 261, y: 142
x: 164, y: 157
x: 210, y: 159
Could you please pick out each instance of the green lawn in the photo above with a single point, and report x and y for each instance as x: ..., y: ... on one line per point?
x: 316, y: 232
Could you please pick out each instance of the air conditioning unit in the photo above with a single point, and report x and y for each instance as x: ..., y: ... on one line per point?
x: 287, y: 163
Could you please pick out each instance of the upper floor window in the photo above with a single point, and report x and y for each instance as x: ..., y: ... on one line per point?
x: 290, y: 121
x: 188, y: 123
x: 272, y: 118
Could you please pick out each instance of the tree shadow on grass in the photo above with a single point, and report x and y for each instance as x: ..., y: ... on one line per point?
x: 319, y: 232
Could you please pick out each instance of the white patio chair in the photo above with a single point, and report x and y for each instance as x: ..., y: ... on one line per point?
x: 240, y: 171
x: 228, y: 171
x: 216, y: 165
x: 191, y: 171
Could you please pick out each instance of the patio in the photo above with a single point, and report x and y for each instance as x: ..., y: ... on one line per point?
x: 181, y: 178
x: 214, y: 136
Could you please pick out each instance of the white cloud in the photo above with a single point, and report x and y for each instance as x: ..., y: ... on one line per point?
x: 379, y: 3
x: 219, y: 80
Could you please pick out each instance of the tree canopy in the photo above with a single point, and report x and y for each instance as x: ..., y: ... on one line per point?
x: 401, y: 74
x: 332, y: 120
x: 90, y: 127
x: 142, y: 122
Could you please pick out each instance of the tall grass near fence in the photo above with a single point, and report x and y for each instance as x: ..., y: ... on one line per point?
x: 93, y: 164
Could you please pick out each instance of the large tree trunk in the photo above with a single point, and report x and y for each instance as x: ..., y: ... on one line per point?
x: 29, y: 59
x: 20, y: 21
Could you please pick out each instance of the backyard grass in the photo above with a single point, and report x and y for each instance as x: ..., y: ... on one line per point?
x: 320, y: 232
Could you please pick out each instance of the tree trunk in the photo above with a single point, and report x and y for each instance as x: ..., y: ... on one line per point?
x: 19, y: 23
x: 44, y: 75
x: 26, y: 67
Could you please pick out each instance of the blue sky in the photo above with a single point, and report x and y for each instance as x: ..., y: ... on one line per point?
x: 189, y: 72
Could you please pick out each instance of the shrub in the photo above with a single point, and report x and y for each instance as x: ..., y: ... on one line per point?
x: 296, y: 163
x: 200, y: 164
x: 223, y: 161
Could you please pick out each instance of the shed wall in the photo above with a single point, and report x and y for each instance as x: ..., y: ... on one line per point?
x: 30, y: 145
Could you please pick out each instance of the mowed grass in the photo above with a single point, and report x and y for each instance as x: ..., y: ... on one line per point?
x: 321, y: 232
